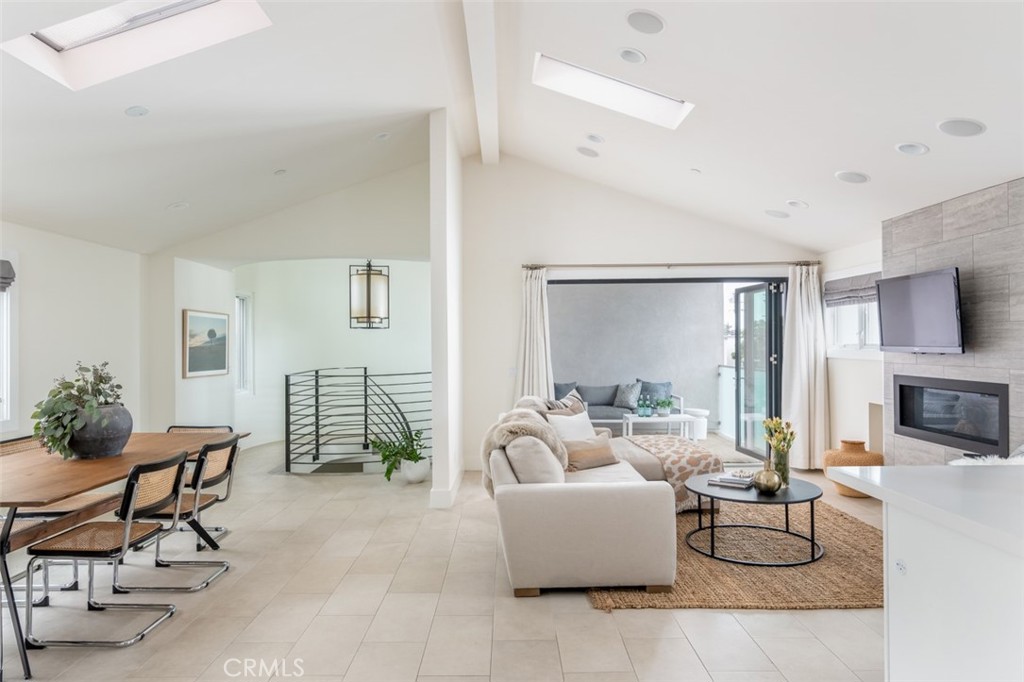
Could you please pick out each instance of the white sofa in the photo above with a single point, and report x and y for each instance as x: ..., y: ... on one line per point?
x: 602, y: 527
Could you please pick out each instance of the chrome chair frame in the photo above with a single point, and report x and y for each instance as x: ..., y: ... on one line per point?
x: 191, y: 517
x: 127, y: 513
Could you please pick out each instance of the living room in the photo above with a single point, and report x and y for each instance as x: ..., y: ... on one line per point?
x: 415, y: 134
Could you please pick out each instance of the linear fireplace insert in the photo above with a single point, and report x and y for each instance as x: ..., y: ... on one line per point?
x: 973, y: 416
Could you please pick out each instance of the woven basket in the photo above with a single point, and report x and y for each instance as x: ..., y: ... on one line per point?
x: 851, y: 453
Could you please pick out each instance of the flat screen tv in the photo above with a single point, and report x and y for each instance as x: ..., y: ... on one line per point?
x: 921, y: 313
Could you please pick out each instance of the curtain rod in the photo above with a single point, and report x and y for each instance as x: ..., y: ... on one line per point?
x: 536, y: 266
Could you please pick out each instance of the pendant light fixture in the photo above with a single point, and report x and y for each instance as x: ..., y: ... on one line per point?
x: 369, y: 296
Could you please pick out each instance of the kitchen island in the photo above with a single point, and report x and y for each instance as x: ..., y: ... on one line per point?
x: 954, y: 569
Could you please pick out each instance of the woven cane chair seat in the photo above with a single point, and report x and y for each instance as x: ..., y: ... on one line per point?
x: 98, y: 538
x: 20, y: 445
x: 188, y: 500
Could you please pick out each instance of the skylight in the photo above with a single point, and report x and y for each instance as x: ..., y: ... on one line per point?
x: 608, y: 92
x: 112, y: 20
x: 131, y: 36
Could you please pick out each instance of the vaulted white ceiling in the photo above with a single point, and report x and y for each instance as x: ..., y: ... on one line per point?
x: 786, y: 94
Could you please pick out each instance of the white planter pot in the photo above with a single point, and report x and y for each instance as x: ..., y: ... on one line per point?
x: 416, y: 472
x: 664, y: 412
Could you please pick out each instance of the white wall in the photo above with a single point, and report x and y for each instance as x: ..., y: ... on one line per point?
x: 76, y: 301
x: 300, y: 322
x: 853, y: 382
x: 382, y: 218
x: 210, y: 399
x: 446, y: 248
x: 517, y: 212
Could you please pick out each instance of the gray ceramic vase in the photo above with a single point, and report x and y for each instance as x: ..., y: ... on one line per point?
x: 103, y: 436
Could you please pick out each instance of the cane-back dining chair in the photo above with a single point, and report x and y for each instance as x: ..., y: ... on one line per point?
x: 149, y: 488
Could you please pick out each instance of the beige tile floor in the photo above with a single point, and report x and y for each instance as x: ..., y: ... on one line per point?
x: 346, y: 577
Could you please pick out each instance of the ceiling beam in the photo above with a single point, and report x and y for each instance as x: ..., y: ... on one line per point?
x: 483, y: 65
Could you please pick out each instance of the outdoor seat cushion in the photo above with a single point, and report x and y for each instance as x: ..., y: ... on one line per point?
x: 598, y: 395
x: 606, y: 411
x: 620, y: 472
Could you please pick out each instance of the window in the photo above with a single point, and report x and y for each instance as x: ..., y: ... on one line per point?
x: 851, y: 314
x: 6, y: 382
x: 852, y: 327
x: 243, y: 344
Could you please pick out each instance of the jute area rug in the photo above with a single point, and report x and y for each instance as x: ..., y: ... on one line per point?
x: 849, y: 576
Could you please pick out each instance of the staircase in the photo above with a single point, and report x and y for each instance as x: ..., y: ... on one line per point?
x: 332, y: 415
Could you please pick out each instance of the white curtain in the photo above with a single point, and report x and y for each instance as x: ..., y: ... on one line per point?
x: 804, y: 371
x: 535, y: 376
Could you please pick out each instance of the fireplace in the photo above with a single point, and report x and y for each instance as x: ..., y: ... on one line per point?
x: 973, y: 416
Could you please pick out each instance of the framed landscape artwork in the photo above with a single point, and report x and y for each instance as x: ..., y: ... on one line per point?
x: 204, y: 343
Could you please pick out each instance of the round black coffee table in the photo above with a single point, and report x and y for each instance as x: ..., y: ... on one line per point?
x: 796, y: 493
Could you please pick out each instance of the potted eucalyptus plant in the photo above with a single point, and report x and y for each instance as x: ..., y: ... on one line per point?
x: 406, y: 454
x: 83, y: 416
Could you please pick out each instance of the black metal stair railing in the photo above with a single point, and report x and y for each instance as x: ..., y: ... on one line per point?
x: 332, y: 415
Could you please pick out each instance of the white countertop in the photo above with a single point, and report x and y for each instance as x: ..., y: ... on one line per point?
x: 984, y: 502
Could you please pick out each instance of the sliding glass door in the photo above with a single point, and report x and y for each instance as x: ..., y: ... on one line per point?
x: 758, y: 362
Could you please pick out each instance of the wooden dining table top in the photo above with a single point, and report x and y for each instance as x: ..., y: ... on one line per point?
x: 35, y: 478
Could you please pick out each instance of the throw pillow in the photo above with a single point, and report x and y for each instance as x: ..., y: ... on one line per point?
x: 627, y: 395
x: 655, y: 389
x: 533, y: 462
x: 598, y: 395
x: 575, y: 427
x: 588, y: 454
x: 562, y: 390
x: 570, y: 404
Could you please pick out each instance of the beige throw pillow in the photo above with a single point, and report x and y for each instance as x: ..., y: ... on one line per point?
x: 569, y: 405
x: 589, y: 454
x: 572, y: 427
x: 533, y: 462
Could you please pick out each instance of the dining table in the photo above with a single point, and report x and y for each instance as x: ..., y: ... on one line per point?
x: 36, y: 478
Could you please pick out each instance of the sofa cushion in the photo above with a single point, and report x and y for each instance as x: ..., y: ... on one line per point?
x: 588, y: 454
x: 574, y: 427
x: 607, y: 412
x: 563, y: 389
x: 533, y: 462
x: 598, y: 395
x: 627, y: 395
x: 620, y: 472
x: 655, y: 389
x: 646, y: 464
x: 569, y: 405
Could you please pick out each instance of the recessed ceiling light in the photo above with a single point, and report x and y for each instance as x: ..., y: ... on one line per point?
x: 776, y: 214
x: 796, y: 203
x: 852, y: 176
x: 609, y: 93
x: 136, y: 111
x: 645, y: 21
x: 962, y: 127
x: 177, y: 206
x: 280, y: 171
x: 596, y: 139
x: 913, y: 148
x: 588, y: 152
x: 696, y: 171
x: 381, y: 137
x: 632, y: 55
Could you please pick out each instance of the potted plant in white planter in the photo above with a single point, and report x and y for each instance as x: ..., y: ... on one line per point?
x: 664, y: 406
x: 83, y: 416
x: 406, y: 454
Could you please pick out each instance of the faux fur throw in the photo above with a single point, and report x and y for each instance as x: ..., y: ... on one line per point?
x: 512, y: 425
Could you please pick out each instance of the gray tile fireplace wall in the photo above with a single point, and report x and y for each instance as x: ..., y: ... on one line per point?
x: 982, y: 234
